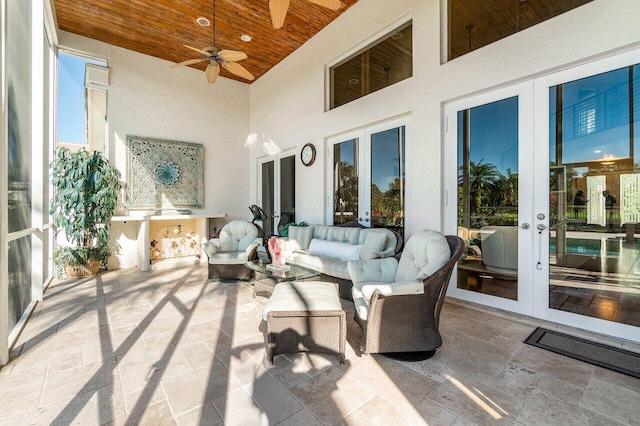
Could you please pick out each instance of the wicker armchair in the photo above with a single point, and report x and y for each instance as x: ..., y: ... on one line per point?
x: 238, y: 243
x: 398, y: 303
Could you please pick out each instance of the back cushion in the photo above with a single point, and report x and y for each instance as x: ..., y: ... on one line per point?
x: 301, y: 235
x: 237, y: 235
x: 337, y: 233
x: 424, y: 254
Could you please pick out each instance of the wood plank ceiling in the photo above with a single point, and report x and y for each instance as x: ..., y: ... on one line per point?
x: 160, y: 27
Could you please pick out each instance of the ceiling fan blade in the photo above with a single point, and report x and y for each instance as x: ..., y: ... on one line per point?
x: 212, y: 72
x: 238, y: 70
x: 204, y: 52
x: 278, y: 9
x: 329, y: 4
x: 232, y: 55
x: 188, y: 62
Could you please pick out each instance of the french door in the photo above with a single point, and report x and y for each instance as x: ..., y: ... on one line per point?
x: 544, y: 187
x: 488, y: 198
x: 277, y: 190
x: 366, y: 171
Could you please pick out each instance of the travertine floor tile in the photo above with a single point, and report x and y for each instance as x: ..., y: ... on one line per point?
x: 542, y: 408
x: 172, y: 347
x: 611, y: 400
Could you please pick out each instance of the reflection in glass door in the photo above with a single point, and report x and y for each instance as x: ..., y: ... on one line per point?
x: 345, y: 181
x: 488, y: 198
x: 594, y: 196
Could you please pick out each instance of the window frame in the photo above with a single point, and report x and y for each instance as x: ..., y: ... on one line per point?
x: 366, y: 44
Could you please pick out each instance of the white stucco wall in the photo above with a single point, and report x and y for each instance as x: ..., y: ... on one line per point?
x: 287, y: 103
x: 147, y: 98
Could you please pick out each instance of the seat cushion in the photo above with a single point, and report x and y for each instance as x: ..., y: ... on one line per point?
x: 425, y: 253
x: 229, y: 258
x: 303, y: 296
x: 324, y: 264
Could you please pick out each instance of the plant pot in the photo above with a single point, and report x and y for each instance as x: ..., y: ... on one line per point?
x: 89, y: 270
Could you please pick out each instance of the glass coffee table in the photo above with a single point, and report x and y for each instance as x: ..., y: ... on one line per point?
x: 266, y: 279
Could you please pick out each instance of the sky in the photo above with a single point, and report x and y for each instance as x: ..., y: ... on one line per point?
x: 71, y: 102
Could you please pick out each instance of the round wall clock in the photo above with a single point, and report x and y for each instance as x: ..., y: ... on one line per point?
x: 308, y: 154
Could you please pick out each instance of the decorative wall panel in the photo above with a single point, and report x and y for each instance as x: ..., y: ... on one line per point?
x: 164, y: 173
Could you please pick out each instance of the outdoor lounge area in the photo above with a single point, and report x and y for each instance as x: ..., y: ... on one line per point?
x: 319, y: 212
x: 175, y: 348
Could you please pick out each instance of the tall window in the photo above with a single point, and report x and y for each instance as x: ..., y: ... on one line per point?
x: 82, y: 101
x: 368, y: 176
x: 385, y: 62
x: 473, y: 24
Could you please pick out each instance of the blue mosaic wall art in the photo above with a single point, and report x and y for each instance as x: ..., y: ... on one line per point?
x: 164, y: 174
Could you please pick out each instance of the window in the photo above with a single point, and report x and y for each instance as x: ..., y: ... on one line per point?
x: 383, y: 63
x: 473, y: 24
x: 367, y: 176
x: 82, y: 101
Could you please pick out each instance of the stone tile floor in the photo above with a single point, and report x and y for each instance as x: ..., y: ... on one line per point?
x: 171, y: 347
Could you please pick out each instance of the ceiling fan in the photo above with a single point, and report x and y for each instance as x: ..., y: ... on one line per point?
x: 278, y: 9
x: 217, y: 57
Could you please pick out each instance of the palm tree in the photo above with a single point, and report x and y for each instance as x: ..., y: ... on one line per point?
x: 481, y: 178
x: 505, y: 190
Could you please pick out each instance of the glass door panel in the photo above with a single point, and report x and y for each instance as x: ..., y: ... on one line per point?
x: 487, y: 194
x: 267, y: 198
x: 345, y: 182
x: 594, y: 196
x: 387, y: 179
x: 287, y: 190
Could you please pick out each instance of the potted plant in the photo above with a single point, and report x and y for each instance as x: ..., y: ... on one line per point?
x: 86, y: 187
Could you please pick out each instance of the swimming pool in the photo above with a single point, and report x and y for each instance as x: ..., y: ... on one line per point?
x: 591, y: 247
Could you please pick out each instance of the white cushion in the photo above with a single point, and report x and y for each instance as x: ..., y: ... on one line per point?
x: 343, y: 251
x: 393, y: 289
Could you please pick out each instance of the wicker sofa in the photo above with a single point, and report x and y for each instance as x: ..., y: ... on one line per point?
x: 328, y: 249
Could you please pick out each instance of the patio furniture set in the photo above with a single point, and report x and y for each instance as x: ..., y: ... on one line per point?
x: 397, y: 294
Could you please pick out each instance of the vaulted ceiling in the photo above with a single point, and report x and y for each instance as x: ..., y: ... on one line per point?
x: 160, y: 28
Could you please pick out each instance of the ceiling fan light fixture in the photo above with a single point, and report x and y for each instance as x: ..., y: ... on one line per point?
x: 217, y: 57
x: 203, y: 22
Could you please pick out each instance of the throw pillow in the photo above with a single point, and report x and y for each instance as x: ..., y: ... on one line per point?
x: 373, y: 245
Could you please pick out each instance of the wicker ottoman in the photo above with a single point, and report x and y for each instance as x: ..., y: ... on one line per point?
x: 305, y: 316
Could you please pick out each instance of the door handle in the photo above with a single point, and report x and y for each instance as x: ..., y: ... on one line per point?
x: 366, y: 219
x: 541, y: 227
x: 525, y: 226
